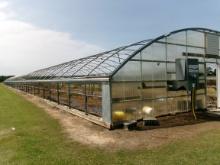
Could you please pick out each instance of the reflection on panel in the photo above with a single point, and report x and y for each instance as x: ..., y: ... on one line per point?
x: 126, y: 111
x: 159, y: 107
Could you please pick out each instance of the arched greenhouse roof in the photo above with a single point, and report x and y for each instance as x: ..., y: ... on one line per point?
x: 102, y: 65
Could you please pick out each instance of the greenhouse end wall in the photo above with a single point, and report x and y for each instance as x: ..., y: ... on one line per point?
x: 142, y: 82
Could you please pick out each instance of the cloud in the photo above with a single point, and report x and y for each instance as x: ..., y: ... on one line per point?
x: 25, y: 47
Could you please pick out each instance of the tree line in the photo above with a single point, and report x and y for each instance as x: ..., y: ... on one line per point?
x: 3, y: 78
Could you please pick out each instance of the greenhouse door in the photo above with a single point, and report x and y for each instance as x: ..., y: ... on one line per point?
x: 211, y: 85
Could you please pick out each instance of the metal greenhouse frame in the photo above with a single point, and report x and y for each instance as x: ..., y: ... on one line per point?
x: 128, y: 78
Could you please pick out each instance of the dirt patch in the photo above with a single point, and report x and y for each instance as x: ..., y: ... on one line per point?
x: 85, y: 132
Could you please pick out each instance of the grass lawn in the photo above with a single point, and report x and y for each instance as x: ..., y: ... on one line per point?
x: 38, y: 139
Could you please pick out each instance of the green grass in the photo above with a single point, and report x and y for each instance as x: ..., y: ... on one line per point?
x: 38, y: 139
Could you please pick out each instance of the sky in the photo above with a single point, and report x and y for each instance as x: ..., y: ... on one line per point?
x: 40, y: 33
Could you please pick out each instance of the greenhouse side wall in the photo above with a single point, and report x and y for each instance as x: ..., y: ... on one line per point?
x: 88, y: 97
x: 142, y: 81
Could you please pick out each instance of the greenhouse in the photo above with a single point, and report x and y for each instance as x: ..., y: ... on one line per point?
x: 150, y: 78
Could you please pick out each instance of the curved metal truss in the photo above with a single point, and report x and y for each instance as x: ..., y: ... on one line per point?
x: 100, y: 65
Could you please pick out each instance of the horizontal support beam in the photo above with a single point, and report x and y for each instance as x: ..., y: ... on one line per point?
x: 62, y: 80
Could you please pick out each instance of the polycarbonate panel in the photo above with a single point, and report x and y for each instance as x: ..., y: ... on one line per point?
x: 195, y: 38
x: 152, y: 90
x: 211, y: 86
x: 131, y: 71
x: 178, y: 38
x: 156, y: 51
x: 126, y: 111
x: 200, y: 102
x: 152, y: 71
x: 202, y: 71
x: 171, y: 71
x: 137, y: 57
x: 94, y: 99
x: 177, y: 104
x: 41, y: 90
x: 94, y: 105
x: 63, y: 94
x: 126, y: 91
x: 212, y: 60
x: 159, y: 107
x: 78, y: 96
x: 46, y: 87
x: 200, y: 91
x: 212, y: 44
x: 174, y: 52
x: 177, y: 93
x: 198, y: 51
x: 53, y: 92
